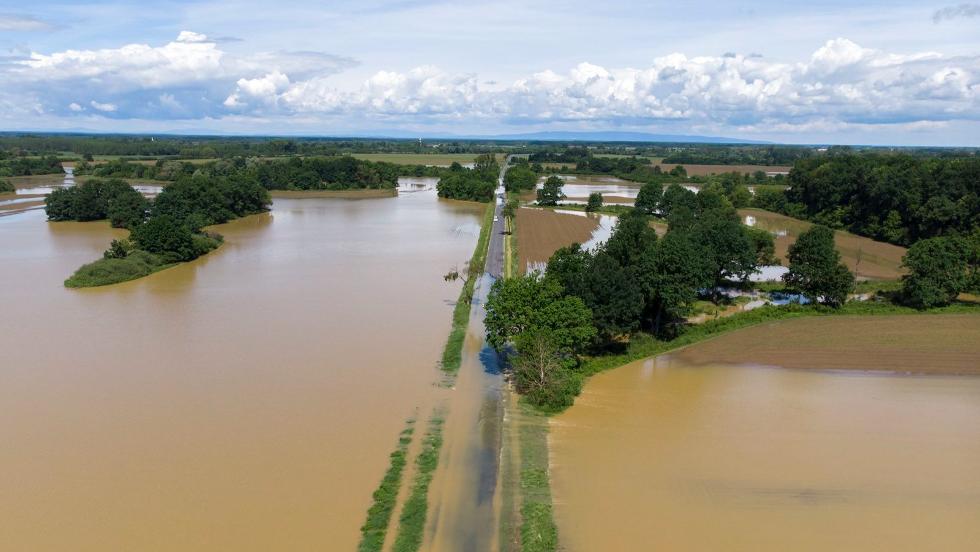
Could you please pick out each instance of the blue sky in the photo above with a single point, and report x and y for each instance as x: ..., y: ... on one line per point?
x: 879, y: 72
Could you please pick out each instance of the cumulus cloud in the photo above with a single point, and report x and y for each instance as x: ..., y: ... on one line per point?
x: 954, y: 12
x: 73, y: 106
x: 841, y: 83
x: 192, y: 69
x: 16, y: 22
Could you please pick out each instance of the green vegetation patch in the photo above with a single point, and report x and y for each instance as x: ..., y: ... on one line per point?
x: 108, y: 271
x: 379, y: 514
x: 538, y: 530
x: 411, y: 523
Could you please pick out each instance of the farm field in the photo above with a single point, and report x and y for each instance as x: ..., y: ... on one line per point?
x: 943, y: 344
x: 541, y: 232
x: 867, y: 258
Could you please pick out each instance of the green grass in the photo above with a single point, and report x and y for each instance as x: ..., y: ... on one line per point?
x: 137, y: 264
x: 379, y: 514
x: 452, y: 352
x: 419, y: 158
x: 411, y: 523
x: 104, y: 272
x: 538, y: 530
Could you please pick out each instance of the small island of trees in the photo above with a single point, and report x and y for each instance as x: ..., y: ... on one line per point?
x: 166, y: 231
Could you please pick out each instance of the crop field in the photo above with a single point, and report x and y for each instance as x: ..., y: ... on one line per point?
x: 541, y: 232
x: 945, y: 343
x: 867, y: 258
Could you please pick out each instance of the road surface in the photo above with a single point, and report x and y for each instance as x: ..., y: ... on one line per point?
x: 495, y: 252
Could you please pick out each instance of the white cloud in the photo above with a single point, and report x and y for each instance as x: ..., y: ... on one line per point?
x: 190, y: 37
x: 841, y: 81
x: 75, y: 107
x: 104, y: 107
x: 15, y: 22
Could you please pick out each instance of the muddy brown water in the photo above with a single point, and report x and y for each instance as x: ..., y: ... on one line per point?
x: 666, y: 455
x: 244, y: 401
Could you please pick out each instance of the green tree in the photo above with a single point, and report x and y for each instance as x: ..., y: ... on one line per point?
x: 612, y: 292
x: 937, y: 272
x: 595, y: 202
x: 60, y: 204
x: 6, y: 186
x: 815, y: 267
x: 520, y: 178
x: 127, y: 209
x: 165, y: 236
x: 648, y: 198
x: 518, y: 305
x: 725, y: 243
x: 630, y: 238
x: 671, y: 276
x: 550, y: 193
x: 539, y: 373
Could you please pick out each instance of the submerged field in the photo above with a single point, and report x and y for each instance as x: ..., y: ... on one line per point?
x: 541, y: 232
x: 780, y: 459
x: 940, y: 344
x: 867, y: 258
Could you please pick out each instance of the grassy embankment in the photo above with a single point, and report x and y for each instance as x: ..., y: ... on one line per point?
x: 411, y: 523
x: 379, y: 514
x: 452, y: 352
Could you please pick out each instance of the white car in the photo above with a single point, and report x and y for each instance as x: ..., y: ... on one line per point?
x: 496, y: 218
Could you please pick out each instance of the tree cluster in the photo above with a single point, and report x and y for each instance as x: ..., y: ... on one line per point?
x: 899, y: 199
x: 476, y: 184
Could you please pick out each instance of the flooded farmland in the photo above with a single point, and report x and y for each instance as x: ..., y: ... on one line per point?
x: 866, y: 258
x: 683, y: 452
x: 247, y: 400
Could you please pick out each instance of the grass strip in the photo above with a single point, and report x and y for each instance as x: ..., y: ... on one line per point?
x: 411, y: 523
x: 538, y: 530
x: 452, y: 352
x: 379, y: 514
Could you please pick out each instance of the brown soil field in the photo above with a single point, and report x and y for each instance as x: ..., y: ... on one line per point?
x: 705, y: 170
x: 867, y: 258
x: 921, y: 344
x: 541, y: 232
x: 338, y: 194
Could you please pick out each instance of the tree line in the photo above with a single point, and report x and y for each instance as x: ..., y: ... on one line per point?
x: 476, y: 184
x: 295, y: 173
x: 27, y: 166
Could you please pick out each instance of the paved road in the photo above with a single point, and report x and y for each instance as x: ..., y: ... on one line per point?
x: 495, y: 253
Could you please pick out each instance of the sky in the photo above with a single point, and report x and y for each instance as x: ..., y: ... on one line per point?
x: 839, y: 72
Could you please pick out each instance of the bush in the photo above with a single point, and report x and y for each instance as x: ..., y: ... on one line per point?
x: 108, y: 271
x: 6, y: 186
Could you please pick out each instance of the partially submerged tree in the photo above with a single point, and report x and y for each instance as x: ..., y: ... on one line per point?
x: 550, y: 193
x: 815, y: 268
x: 595, y: 202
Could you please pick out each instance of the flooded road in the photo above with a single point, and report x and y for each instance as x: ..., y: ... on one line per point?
x: 666, y: 455
x: 244, y: 401
x: 463, y: 496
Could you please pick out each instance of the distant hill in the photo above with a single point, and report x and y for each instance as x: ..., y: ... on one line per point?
x: 612, y: 136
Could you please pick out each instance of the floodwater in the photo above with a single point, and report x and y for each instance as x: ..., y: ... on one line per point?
x: 464, y: 503
x: 664, y: 455
x: 577, y: 188
x: 244, y: 401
